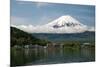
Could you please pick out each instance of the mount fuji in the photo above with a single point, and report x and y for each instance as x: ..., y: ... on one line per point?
x: 63, y: 24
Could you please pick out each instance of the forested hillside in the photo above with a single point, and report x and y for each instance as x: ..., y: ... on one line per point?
x: 21, y: 38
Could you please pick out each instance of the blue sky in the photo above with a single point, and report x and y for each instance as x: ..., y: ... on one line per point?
x: 36, y: 13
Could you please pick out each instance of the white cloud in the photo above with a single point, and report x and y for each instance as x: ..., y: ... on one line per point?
x: 45, y: 29
x: 49, y: 27
x: 40, y: 4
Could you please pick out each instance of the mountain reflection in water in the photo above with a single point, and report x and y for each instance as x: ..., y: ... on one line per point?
x: 51, y: 55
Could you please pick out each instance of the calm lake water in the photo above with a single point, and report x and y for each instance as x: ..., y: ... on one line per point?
x: 37, y: 56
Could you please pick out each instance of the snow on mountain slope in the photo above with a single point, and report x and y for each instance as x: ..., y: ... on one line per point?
x: 63, y: 24
x: 61, y: 21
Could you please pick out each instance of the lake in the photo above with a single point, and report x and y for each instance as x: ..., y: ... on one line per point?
x: 86, y: 36
x: 51, y: 55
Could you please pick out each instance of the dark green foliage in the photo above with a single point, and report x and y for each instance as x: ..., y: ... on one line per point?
x: 72, y: 44
x: 19, y: 37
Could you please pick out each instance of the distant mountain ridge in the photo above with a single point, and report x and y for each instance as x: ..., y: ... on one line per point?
x: 85, y: 36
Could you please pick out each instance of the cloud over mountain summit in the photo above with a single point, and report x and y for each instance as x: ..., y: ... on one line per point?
x: 63, y: 24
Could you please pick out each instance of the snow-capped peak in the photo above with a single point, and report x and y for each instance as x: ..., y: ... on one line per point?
x: 63, y: 21
x: 64, y: 24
